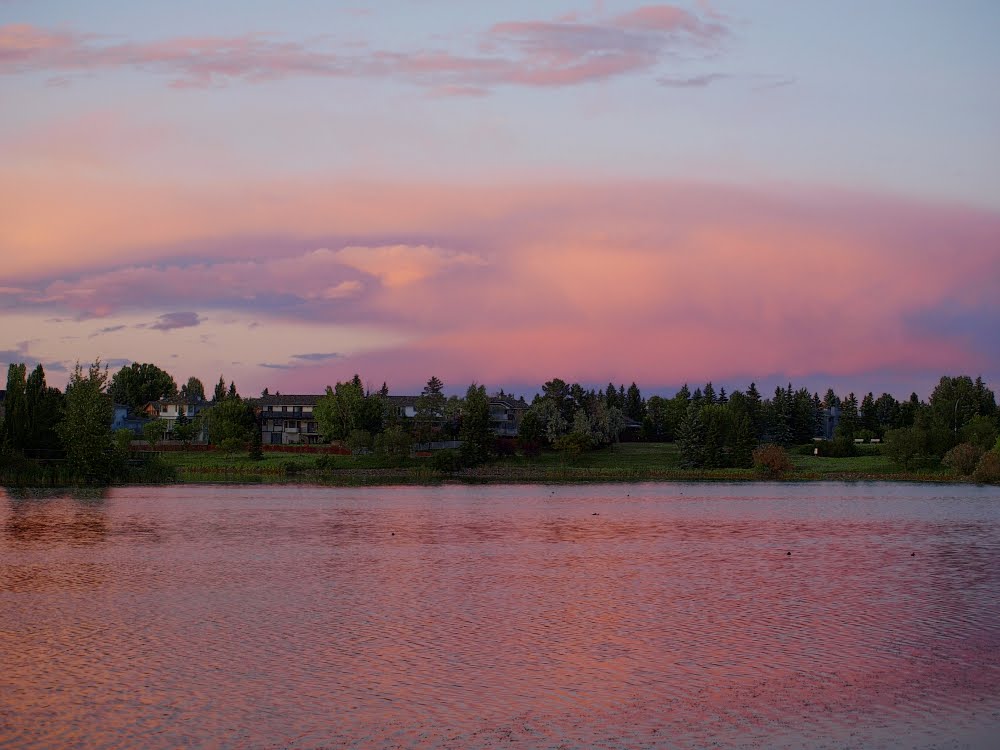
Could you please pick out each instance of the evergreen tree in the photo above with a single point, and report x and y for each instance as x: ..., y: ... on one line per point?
x: 231, y: 393
x: 831, y: 400
x: 708, y: 395
x: 869, y: 415
x: 755, y: 411
x: 779, y: 421
x: 714, y: 418
x: 691, y: 437
x: 818, y: 421
x: 744, y: 442
x: 723, y: 398
x: 430, y: 410
x: 476, y: 436
x: 257, y: 444
x: 611, y: 396
x: 986, y: 404
x: 635, y: 407
x: 15, y: 423
x: 887, y: 413
x: 850, y: 420
x: 220, y: 390
x: 803, y: 417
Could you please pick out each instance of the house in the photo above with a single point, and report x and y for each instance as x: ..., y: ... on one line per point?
x: 169, y: 409
x: 831, y: 418
x: 505, y: 415
x: 288, y: 420
x: 402, y: 407
x: 122, y: 421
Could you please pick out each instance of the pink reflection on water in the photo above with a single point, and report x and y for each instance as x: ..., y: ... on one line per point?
x: 473, y: 617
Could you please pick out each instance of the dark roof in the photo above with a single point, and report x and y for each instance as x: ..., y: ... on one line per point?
x: 180, y: 401
x: 402, y: 400
x: 510, y: 402
x: 290, y: 400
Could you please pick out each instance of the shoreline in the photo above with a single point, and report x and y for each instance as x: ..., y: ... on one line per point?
x: 568, y: 476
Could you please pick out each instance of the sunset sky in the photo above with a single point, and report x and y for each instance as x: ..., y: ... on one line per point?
x: 289, y: 193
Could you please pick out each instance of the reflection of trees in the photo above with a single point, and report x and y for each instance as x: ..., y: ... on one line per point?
x: 57, y: 517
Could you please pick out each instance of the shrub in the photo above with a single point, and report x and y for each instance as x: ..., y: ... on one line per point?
x: 529, y: 448
x: 290, y: 467
x: 988, y: 469
x: 771, y: 460
x: 324, y: 462
x: 394, y: 442
x: 904, y: 445
x: 980, y: 431
x: 836, y: 448
x: 446, y: 461
x: 359, y: 441
x: 504, y: 447
x: 231, y: 445
x: 574, y: 443
x: 256, y: 446
x: 963, y: 458
x: 123, y: 440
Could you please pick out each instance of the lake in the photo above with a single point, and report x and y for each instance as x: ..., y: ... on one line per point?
x: 614, y: 616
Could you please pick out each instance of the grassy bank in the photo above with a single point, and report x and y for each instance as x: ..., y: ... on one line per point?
x: 628, y: 462
x: 17, y: 472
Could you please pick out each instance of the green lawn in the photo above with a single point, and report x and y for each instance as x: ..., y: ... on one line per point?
x: 624, y: 462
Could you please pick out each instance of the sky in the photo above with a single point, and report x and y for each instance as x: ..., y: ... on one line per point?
x: 288, y: 194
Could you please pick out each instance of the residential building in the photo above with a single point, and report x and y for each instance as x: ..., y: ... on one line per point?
x: 402, y: 407
x: 288, y: 420
x: 169, y: 409
x: 505, y: 415
x: 122, y: 421
x: 831, y: 418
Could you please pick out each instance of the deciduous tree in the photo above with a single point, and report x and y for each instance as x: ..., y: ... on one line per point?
x: 85, y: 430
x: 135, y: 385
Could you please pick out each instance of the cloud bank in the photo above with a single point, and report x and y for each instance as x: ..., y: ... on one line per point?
x: 658, y: 282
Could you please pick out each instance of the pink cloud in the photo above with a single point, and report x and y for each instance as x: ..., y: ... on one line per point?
x: 401, y: 265
x: 674, y: 20
x: 660, y: 282
x: 526, y: 53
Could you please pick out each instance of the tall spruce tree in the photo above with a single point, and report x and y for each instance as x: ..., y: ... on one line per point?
x: 15, y: 423
x: 44, y: 411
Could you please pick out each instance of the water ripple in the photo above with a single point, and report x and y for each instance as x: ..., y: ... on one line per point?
x: 645, y: 616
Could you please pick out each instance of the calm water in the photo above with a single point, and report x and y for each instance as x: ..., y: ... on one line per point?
x: 598, y: 616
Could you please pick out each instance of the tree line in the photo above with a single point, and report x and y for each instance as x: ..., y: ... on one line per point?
x: 712, y: 428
